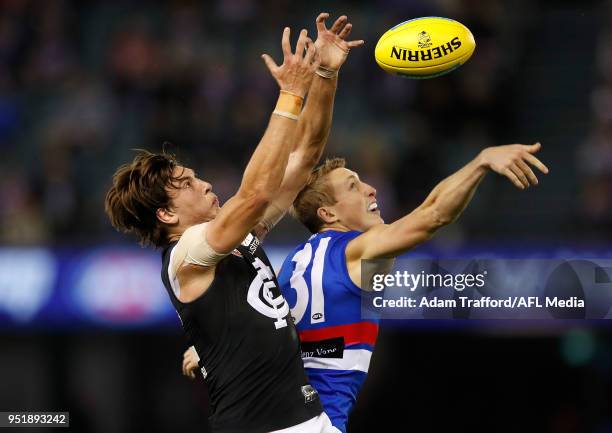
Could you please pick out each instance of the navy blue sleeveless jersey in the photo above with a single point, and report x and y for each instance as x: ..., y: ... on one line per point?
x: 336, y: 343
x: 247, y: 343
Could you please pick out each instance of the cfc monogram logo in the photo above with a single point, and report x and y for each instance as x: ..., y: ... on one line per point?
x: 261, y: 297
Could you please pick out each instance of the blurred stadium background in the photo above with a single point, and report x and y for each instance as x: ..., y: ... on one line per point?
x: 84, y: 323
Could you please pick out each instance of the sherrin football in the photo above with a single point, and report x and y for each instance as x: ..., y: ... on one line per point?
x: 424, y: 47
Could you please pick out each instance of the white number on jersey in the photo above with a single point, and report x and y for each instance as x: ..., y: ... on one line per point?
x: 298, y: 283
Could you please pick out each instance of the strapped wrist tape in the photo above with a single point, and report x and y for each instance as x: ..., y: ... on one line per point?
x: 288, y: 105
x: 326, y: 72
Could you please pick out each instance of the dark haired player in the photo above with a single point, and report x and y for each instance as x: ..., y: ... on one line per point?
x: 216, y: 273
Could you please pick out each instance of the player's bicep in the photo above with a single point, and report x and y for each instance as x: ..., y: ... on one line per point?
x: 235, y: 220
x: 357, y: 247
x: 391, y: 240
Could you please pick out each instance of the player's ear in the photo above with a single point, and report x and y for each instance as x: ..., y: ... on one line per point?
x: 327, y: 215
x: 167, y: 216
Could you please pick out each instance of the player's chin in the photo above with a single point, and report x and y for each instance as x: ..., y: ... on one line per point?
x: 375, y: 217
x: 372, y: 220
x: 212, y: 212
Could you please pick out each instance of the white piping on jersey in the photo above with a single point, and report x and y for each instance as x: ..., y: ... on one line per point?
x: 174, y: 283
x: 353, y: 359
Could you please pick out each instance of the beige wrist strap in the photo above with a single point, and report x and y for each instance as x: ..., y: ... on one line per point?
x: 288, y: 105
x: 326, y: 72
x: 273, y: 215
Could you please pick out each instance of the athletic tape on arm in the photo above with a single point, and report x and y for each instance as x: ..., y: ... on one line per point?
x: 193, y: 248
x: 272, y: 216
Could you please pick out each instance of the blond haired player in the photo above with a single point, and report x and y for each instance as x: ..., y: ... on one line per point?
x: 321, y: 278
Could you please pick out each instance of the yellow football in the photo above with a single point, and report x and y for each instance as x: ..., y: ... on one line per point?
x: 424, y: 47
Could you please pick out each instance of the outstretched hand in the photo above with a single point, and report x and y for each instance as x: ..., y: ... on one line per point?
x: 331, y: 44
x: 297, y: 71
x: 512, y: 161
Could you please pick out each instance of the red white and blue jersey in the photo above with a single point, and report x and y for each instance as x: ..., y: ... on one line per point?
x: 336, y: 343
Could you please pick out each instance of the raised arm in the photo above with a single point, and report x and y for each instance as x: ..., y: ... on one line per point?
x: 446, y: 202
x: 264, y: 172
x: 316, y: 119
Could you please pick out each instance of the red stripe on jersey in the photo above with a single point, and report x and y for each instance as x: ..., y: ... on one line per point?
x: 362, y: 332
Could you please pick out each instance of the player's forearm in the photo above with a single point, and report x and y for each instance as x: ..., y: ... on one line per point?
x: 316, y: 121
x: 443, y: 205
x: 311, y: 136
x: 312, y: 132
x: 265, y: 170
x: 451, y: 196
x: 262, y: 178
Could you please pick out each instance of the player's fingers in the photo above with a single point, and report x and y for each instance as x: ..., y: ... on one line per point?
x: 338, y: 24
x: 521, y: 176
x: 355, y: 44
x: 515, y: 180
x: 310, y: 52
x: 272, y: 66
x: 345, y: 31
x: 301, y: 43
x: 536, y: 163
x: 321, y: 21
x: 528, y: 172
x: 195, y: 354
x: 192, y: 375
x: 285, y: 43
x: 534, y: 147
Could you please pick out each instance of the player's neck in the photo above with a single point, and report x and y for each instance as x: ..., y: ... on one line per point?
x: 337, y: 227
x: 174, y: 235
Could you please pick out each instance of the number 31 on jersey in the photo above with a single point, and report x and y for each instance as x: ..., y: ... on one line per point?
x: 309, y: 289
